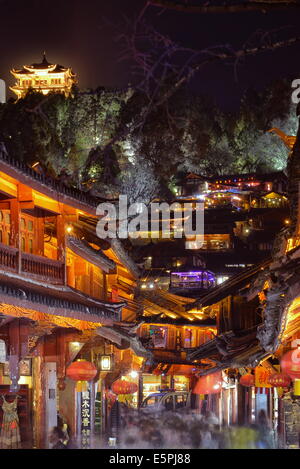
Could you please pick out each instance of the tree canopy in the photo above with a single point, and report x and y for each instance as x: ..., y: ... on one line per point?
x: 104, y: 141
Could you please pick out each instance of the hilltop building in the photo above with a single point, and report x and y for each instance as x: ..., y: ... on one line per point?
x: 43, y: 77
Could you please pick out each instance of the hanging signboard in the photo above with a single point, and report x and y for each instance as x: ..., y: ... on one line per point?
x: 2, y: 91
x: 2, y: 351
x: 86, y: 419
x: 98, y: 416
x: 262, y: 376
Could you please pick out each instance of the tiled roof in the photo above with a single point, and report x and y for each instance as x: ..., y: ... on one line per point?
x: 46, y: 183
x: 57, y: 300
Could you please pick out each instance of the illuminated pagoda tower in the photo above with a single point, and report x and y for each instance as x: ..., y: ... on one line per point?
x: 43, y: 77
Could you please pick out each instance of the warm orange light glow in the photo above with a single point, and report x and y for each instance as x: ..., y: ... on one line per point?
x: 61, y: 321
x: 292, y: 243
x: 43, y: 77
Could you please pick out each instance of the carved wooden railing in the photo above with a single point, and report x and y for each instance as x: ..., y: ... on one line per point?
x: 8, y: 257
x: 37, y: 266
x: 43, y: 267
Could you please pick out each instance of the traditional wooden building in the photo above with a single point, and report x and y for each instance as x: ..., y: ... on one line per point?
x: 64, y: 293
x: 258, y: 323
x: 169, y: 331
x: 194, y: 184
x: 43, y: 77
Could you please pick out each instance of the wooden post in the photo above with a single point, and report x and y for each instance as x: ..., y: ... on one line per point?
x: 39, y: 239
x: 39, y: 403
x: 140, y: 390
x: 15, y: 235
x: 241, y: 405
x: 71, y: 274
x: 61, y: 356
x: 14, y: 354
x: 61, y: 243
x: 104, y: 295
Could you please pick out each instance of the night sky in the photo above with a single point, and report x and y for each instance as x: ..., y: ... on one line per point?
x: 77, y: 33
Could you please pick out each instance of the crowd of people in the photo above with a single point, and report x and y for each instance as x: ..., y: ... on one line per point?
x: 175, y: 430
x: 190, y: 430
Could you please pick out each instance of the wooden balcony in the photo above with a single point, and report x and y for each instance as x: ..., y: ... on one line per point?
x: 8, y: 257
x: 31, y: 265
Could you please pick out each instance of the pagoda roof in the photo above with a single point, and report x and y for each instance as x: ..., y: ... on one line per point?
x: 44, y: 65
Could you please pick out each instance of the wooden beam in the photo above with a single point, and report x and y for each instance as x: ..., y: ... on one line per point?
x: 4, y: 205
x: 15, y: 235
x: 61, y: 242
x: 25, y: 193
x: 7, y: 187
x: 26, y: 205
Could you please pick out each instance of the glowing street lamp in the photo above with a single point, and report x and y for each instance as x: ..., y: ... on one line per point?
x: 105, y: 362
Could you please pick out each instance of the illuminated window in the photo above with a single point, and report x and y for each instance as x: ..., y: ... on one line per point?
x: 27, y: 228
x: 4, y: 227
x: 188, y: 336
x: 158, y: 336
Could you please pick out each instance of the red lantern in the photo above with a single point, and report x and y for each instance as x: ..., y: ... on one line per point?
x: 290, y: 363
x: 124, y: 387
x: 279, y: 380
x: 247, y: 380
x: 81, y: 371
x: 210, y: 384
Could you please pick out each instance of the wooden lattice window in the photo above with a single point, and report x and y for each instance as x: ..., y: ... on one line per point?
x: 27, y: 233
x: 5, y: 226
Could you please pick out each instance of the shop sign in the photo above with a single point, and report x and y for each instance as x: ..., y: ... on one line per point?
x: 2, y: 351
x: 86, y: 419
x: 262, y: 376
x: 98, y: 414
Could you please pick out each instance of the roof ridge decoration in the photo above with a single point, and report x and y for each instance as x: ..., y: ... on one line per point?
x: 43, y: 65
x: 94, y: 311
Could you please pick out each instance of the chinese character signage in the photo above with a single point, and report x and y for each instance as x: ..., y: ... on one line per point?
x: 86, y: 419
x: 98, y: 413
x: 262, y: 376
x: 2, y: 351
